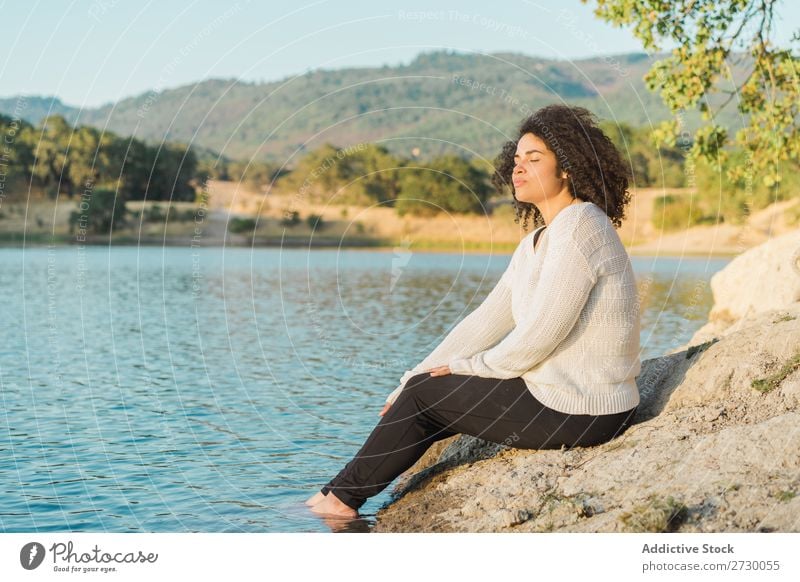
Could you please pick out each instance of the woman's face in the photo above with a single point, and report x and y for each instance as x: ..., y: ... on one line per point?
x: 535, y: 179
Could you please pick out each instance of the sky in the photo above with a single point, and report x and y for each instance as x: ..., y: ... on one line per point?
x: 91, y: 52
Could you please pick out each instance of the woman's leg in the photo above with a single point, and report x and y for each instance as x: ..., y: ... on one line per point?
x: 401, y: 437
x: 431, y: 408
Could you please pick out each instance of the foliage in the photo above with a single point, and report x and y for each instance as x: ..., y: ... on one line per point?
x: 291, y: 218
x: 73, y: 161
x: 719, y: 198
x: 99, y: 212
x: 253, y: 174
x: 315, y: 222
x: 155, y: 213
x: 732, y: 199
x: 713, y: 38
x: 774, y: 380
x: 242, y: 225
x: 650, y: 165
x: 672, y: 212
x: 407, y: 103
x: 448, y: 184
x: 362, y: 174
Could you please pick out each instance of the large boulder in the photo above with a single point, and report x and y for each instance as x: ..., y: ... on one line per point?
x: 761, y: 279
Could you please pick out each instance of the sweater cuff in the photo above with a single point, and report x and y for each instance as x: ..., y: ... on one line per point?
x: 461, y: 366
x: 394, y: 394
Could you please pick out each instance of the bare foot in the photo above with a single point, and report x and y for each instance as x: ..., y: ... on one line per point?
x: 316, y: 498
x: 333, y: 506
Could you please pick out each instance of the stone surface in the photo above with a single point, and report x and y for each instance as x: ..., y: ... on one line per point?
x: 764, y: 278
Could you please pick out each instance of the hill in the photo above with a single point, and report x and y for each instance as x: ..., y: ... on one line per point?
x: 441, y: 102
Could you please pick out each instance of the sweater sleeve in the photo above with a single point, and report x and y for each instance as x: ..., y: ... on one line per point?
x: 562, y: 291
x: 482, y: 328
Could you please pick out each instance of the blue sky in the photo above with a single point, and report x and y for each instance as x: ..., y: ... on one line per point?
x: 89, y: 52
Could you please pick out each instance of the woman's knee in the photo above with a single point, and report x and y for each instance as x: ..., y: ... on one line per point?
x: 425, y: 389
x: 417, y: 379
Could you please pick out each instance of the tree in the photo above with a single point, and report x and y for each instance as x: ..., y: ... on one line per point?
x: 713, y: 38
x: 362, y: 174
x: 650, y: 165
x: 290, y: 219
x: 174, y: 167
x: 379, y: 172
x: 16, y: 153
x: 449, y: 184
x: 51, y: 164
x: 98, y: 213
x: 133, y: 162
x: 88, y: 157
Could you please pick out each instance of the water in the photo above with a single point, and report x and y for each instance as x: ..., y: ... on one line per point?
x: 214, y: 390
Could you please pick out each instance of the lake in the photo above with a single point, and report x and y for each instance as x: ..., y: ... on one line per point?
x: 150, y: 389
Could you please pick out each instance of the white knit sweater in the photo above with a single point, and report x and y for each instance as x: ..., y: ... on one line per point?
x: 564, y: 317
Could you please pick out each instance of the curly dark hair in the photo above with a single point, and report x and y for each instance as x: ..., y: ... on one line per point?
x: 596, y: 169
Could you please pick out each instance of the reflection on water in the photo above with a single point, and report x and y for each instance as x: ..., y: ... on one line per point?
x: 180, y: 389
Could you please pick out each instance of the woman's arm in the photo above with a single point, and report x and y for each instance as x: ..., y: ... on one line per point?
x: 558, y: 299
x: 481, y: 329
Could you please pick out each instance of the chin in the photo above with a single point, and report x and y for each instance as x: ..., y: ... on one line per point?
x: 520, y: 196
x: 523, y: 198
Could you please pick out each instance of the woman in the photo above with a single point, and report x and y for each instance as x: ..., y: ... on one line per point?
x: 550, y: 358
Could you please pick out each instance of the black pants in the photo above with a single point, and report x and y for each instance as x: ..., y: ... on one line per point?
x: 431, y: 408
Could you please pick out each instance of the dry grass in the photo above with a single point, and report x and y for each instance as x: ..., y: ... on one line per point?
x: 655, y: 515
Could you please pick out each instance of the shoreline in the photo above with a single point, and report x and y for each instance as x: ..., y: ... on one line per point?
x: 44, y: 241
x: 46, y: 223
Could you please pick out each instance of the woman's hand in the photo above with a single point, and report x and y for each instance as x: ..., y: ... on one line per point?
x: 440, y: 371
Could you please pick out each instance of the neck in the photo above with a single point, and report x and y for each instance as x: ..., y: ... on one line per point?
x: 552, y: 206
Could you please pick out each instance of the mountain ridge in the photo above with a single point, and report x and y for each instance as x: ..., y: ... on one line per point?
x: 441, y: 102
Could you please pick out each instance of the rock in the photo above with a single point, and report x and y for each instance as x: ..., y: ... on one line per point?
x: 714, y: 446
x: 739, y: 288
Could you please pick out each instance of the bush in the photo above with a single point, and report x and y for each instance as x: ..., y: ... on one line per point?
x: 98, y: 213
x: 314, y: 222
x: 291, y: 219
x: 175, y: 215
x: 242, y: 225
x: 153, y: 213
x: 679, y: 212
x: 735, y: 200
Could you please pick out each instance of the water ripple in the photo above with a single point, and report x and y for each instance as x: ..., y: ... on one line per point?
x: 204, y: 390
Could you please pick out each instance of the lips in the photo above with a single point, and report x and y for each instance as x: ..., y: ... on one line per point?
x: 518, y: 183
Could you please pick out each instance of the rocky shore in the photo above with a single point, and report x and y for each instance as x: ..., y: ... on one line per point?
x: 715, y: 446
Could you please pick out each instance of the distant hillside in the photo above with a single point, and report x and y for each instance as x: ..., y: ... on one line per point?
x: 431, y: 103
x: 33, y: 108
